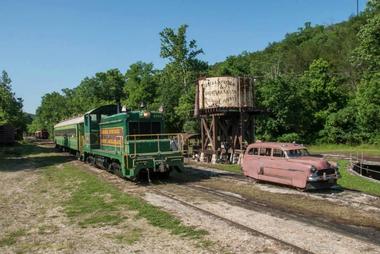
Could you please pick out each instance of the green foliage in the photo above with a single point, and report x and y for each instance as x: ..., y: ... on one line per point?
x: 52, y: 110
x: 367, y: 54
x: 141, y: 85
x: 10, y: 106
x: 110, y: 86
x: 289, y: 137
x: 368, y: 104
x: 176, y: 90
x: 340, y: 127
x: 282, y: 96
x: 322, y: 95
x: 181, y: 54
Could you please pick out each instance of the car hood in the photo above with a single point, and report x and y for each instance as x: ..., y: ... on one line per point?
x: 317, y: 162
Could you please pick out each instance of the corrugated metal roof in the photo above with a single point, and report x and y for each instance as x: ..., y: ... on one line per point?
x: 70, y: 122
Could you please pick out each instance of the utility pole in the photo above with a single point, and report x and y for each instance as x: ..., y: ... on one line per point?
x: 357, y: 7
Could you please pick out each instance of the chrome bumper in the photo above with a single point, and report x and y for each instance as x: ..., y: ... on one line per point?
x: 324, y: 177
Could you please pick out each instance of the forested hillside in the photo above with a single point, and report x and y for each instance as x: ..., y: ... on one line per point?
x: 321, y: 83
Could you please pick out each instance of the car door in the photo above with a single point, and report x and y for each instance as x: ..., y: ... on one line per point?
x: 250, y: 162
x: 280, y: 166
x: 264, y: 170
x: 272, y: 166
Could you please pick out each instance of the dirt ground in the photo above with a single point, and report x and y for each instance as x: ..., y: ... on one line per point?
x: 33, y: 221
x: 33, y: 218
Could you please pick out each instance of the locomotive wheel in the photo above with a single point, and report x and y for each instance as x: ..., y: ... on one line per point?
x: 90, y: 160
x: 116, y: 169
x: 164, y: 175
x: 109, y: 168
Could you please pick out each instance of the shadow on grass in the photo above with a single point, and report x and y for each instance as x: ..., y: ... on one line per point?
x: 18, y: 149
x: 29, y: 157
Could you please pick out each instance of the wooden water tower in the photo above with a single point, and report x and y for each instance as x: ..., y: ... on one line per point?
x: 226, y: 109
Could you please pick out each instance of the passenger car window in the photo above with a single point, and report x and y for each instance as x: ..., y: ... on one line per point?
x: 278, y: 153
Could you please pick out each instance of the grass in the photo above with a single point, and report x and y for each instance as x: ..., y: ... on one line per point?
x: 233, y: 168
x: 12, y: 237
x: 356, y: 182
x: 95, y: 202
x: 130, y: 237
x: 369, y: 150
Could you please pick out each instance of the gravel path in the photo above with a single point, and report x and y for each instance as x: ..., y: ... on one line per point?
x: 314, y: 239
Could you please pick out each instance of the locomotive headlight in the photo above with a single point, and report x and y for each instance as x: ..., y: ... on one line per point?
x: 146, y: 114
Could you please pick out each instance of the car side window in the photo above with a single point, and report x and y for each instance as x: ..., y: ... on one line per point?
x: 265, y: 151
x: 278, y: 153
x: 253, y: 151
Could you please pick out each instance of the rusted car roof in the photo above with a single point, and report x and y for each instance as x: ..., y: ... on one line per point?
x: 285, y: 146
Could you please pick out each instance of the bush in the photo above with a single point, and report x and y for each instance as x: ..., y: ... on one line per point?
x: 289, y: 137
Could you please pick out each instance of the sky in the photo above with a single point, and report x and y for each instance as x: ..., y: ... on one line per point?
x: 49, y: 45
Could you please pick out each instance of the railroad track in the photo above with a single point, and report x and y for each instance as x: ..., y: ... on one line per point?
x: 330, y: 195
x: 287, y: 245
x: 118, y: 182
x: 239, y: 202
x: 250, y: 204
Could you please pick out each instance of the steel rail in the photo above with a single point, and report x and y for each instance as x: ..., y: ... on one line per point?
x: 291, y: 246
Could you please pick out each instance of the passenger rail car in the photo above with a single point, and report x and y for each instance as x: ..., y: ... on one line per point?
x: 128, y: 143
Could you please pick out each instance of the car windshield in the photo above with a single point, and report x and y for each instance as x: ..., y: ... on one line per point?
x: 297, y: 153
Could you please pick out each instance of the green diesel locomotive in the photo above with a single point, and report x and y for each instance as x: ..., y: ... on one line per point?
x: 130, y: 144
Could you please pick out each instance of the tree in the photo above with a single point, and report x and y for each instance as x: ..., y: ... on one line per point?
x: 322, y: 94
x: 282, y: 96
x: 368, y: 105
x: 181, y: 54
x: 367, y: 54
x: 177, y: 78
x: 110, y: 86
x: 367, y: 58
x: 10, y: 106
x: 52, y: 110
x: 141, y: 85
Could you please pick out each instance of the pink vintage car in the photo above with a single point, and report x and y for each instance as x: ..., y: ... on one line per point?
x: 289, y: 164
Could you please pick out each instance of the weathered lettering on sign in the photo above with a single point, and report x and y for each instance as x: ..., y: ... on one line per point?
x: 225, y: 92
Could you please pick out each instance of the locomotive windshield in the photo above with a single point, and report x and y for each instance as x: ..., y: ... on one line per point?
x: 144, y: 128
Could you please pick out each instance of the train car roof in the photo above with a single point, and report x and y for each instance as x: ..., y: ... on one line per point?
x: 105, y: 109
x: 70, y: 122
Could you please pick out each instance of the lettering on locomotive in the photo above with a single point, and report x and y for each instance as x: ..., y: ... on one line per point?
x: 111, y: 136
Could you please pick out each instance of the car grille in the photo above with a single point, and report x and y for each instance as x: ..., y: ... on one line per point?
x: 328, y: 171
